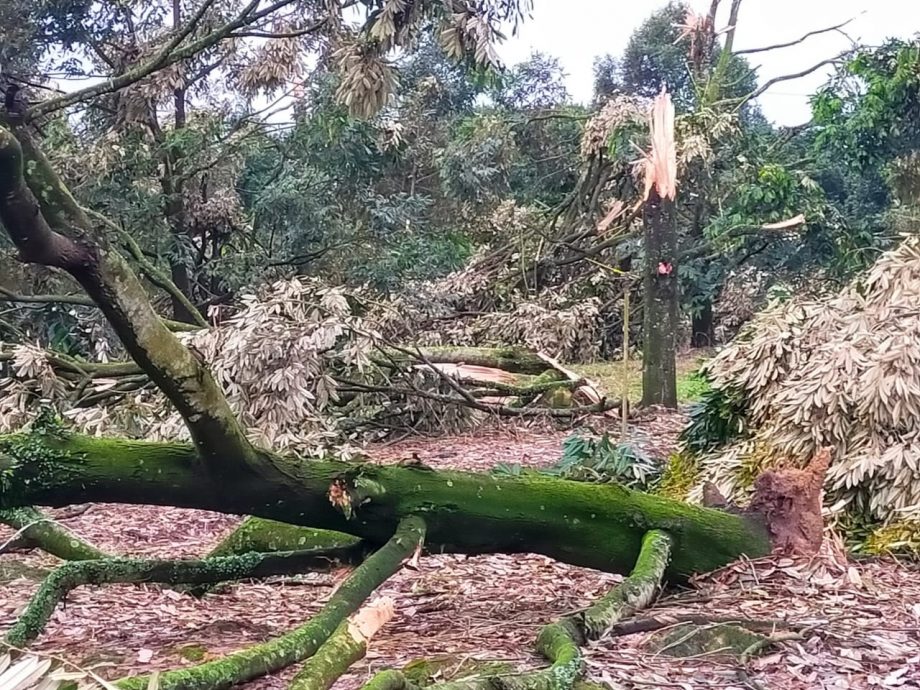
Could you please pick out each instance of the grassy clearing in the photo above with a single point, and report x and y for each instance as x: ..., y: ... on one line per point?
x: 610, y: 376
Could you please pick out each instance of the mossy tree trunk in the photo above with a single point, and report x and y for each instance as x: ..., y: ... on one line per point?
x: 593, y: 525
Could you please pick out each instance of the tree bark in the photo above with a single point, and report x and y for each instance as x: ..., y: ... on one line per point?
x: 38, y: 530
x: 702, y: 327
x: 592, y: 525
x: 661, y: 324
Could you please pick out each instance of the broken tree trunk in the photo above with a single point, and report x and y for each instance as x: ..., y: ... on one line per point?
x: 592, y: 525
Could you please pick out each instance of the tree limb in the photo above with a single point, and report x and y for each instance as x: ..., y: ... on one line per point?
x: 113, y: 286
x: 788, y: 77
x: 170, y: 54
x: 80, y: 301
x: 788, y: 44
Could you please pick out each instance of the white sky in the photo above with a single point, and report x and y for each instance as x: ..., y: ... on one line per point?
x: 575, y: 31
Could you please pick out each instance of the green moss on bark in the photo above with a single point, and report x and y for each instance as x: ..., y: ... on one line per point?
x: 304, y: 641
x: 126, y: 570
x: 593, y: 525
x: 636, y: 592
x: 258, y: 534
x: 38, y: 530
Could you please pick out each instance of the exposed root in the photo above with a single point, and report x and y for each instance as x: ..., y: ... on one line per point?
x: 635, y: 592
x: 35, y: 529
x: 651, y: 624
x: 127, y: 570
x: 561, y: 642
x: 304, y: 641
x: 347, y: 645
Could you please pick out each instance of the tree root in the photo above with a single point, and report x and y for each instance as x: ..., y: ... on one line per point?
x: 35, y: 529
x: 561, y: 642
x: 347, y: 645
x: 651, y: 624
x: 634, y: 593
x: 303, y: 641
x: 128, y: 570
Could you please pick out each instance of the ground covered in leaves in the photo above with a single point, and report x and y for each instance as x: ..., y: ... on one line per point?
x: 859, y: 622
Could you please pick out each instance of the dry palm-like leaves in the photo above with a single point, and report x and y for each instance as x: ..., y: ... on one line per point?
x: 274, y: 359
x: 618, y: 112
x: 32, y: 672
x: 272, y: 65
x: 368, y: 79
x: 842, y: 372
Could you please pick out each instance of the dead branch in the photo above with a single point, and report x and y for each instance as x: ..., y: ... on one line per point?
x: 789, y: 44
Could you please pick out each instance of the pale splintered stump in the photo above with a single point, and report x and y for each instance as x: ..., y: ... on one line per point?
x: 347, y: 645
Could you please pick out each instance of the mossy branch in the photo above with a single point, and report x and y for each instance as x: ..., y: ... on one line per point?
x: 38, y: 530
x: 128, y: 570
x: 268, y: 536
x: 561, y: 642
x: 634, y: 593
x: 302, y: 642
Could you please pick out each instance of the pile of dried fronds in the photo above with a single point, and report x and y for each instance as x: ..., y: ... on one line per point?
x: 305, y: 368
x: 841, y: 372
x: 473, y: 308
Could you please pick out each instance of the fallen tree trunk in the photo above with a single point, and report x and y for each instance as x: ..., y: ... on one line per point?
x: 591, y: 525
x: 517, y: 360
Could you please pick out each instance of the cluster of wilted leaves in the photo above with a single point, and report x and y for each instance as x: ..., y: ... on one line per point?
x: 841, y: 372
x: 467, y: 308
x: 275, y: 359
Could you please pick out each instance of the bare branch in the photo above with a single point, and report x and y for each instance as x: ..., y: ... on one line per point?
x: 790, y: 77
x: 789, y: 44
x: 170, y: 54
x: 79, y: 300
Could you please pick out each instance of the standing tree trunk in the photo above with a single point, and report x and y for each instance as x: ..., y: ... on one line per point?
x: 659, y: 334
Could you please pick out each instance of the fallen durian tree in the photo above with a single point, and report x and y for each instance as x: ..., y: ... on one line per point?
x: 396, y: 511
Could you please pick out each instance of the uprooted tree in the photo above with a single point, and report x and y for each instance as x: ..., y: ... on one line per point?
x: 373, y: 516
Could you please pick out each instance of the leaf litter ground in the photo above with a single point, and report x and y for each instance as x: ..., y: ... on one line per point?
x: 861, y: 619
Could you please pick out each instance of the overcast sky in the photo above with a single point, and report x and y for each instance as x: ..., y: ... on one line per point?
x: 575, y: 31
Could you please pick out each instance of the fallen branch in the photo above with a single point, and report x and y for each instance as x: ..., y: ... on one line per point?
x: 35, y: 529
x: 347, y: 645
x: 128, y: 570
x: 80, y: 301
x: 561, y: 642
x: 302, y: 642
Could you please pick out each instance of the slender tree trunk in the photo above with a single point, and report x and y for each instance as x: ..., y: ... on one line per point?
x: 175, y: 204
x: 660, y: 325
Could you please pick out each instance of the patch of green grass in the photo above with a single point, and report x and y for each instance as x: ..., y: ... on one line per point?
x: 690, y: 385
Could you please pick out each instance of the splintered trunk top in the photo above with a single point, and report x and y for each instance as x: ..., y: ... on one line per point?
x: 661, y: 324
